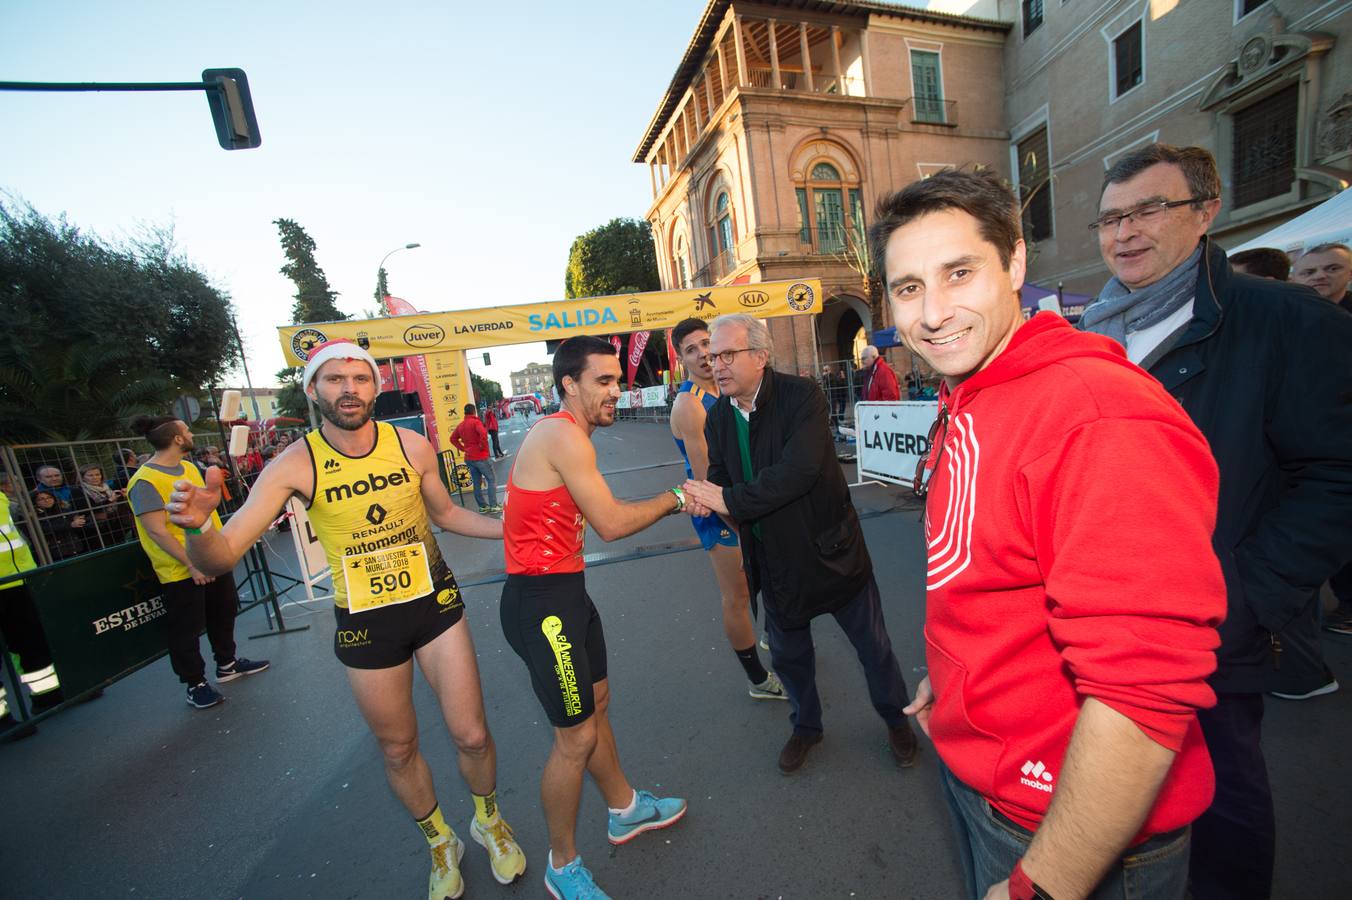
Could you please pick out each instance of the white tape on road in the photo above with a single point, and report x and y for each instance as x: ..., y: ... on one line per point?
x: 893, y: 437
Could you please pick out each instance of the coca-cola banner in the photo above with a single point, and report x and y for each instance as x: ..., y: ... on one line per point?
x: 638, y: 342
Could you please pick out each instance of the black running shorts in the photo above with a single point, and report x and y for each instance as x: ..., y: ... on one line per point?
x: 552, y: 625
x: 386, y: 636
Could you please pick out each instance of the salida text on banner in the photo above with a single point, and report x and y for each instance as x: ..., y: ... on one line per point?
x: 432, y: 333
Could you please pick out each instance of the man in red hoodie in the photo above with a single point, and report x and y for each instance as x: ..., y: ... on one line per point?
x: 1072, y: 591
x: 471, y: 439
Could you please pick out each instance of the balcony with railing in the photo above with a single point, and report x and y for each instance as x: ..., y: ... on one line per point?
x: 933, y: 111
x: 796, y: 80
x: 717, y: 270
x: 832, y: 240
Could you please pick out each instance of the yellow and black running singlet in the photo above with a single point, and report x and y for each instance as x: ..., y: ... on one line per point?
x: 368, y: 513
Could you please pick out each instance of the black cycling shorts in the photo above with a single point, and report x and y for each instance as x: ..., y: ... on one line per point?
x: 386, y: 636
x: 552, y: 625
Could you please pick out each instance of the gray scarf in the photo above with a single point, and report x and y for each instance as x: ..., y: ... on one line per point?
x: 1118, y: 311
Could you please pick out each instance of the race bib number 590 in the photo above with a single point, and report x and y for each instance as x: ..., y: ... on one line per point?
x: 386, y: 577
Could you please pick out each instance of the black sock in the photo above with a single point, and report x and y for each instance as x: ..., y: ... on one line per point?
x: 750, y: 661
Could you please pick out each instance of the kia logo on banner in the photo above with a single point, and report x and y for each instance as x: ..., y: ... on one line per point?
x: 637, y: 344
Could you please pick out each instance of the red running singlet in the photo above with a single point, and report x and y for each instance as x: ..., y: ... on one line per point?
x: 542, y: 531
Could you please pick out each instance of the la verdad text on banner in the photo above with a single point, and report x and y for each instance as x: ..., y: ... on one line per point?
x: 438, y: 332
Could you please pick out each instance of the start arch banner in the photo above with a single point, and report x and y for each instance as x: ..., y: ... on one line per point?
x: 468, y: 329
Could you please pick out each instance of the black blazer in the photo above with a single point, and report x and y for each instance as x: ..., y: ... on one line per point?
x: 1265, y: 371
x: 811, y: 543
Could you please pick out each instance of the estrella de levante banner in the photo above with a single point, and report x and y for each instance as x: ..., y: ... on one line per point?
x: 467, y: 329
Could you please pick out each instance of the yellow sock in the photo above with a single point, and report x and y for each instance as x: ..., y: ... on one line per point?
x: 434, y: 827
x: 486, y: 807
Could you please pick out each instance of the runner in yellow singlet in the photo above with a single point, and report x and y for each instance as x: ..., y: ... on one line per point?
x: 373, y: 494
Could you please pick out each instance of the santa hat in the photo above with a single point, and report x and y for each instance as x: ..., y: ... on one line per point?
x: 339, y: 349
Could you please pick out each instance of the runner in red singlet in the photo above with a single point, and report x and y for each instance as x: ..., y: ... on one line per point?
x: 553, y: 491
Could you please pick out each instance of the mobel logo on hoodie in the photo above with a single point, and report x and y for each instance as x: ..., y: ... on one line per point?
x: 1036, y: 776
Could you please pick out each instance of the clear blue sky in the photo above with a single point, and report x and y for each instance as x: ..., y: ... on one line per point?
x: 493, y: 134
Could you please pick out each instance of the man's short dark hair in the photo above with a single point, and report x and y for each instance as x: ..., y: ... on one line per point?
x: 1197, y: 163
x: 571, y: 357
x: 979, y: 193
x: 684, y: 329
x: 159, y: 431
x: 1326, y: 247
x: 1266, y: 262
x: 470, y: 409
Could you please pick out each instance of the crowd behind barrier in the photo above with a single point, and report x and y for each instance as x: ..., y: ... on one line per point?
x: 69, y: 497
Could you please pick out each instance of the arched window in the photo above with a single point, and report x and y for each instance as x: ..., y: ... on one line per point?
x: 830, y: 211
x: 682, y: 266
x: 723, y: 223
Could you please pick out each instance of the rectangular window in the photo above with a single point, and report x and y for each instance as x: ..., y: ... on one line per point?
x: 1035, y: 187
x: 1032, y: 16
x: 1248, y: 6
x: 1127, y: 66
x: 856, y: 217
x: 1264, y: 149
x: 830, y: 220
x: 804, y: 225
x: 927, y: 85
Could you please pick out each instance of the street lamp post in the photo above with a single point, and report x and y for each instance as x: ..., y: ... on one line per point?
x: 380, y: 268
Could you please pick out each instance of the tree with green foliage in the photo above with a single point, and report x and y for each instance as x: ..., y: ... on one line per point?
x: 314, y: 298
x: 617, y: 258
x: 97, y: 332
x: 486, y: 391
x: 290, y: 399
x: 382, y: 288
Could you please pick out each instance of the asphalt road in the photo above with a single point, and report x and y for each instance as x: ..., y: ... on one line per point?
x: 280, y: 793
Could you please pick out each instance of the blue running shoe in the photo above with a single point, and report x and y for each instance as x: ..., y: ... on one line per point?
x: 240, y: 666
x: 572, y: 882
x: 203, y: 696
x: 649, y: 813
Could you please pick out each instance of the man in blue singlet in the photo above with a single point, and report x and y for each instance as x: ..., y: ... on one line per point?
x: 693, y: 400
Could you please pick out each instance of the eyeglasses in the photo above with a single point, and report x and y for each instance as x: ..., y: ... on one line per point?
x: 727, y: 356
x: 920, y: 484
x: 1143, y: 213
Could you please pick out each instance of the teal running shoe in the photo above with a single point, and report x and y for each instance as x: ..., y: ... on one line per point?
x: 649, y: 813
x: 572, y: 882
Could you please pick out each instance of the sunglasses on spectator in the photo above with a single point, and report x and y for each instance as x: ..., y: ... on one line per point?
x: 937, y: 433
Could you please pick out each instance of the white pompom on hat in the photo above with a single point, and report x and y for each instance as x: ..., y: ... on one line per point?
x: 339, y: 349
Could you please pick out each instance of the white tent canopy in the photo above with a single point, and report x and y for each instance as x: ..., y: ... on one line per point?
x: 1329, y: 222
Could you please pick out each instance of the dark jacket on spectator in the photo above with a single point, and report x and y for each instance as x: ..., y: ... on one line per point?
x: 1265, y: 370
x: 809, y: 531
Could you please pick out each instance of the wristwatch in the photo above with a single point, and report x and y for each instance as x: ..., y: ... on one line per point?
x: 680, y: 499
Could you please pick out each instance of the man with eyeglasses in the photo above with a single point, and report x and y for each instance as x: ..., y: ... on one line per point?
x: 694, y: 398
x: 1068, y: 638
x: 773, y: 471
x: 1263, y: 368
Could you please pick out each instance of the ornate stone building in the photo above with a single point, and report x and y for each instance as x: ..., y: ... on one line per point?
x: 785, y: 121
x: 535, y: 377
x: 783, y: 125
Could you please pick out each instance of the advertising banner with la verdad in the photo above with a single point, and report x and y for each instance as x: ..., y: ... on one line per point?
x: 427, y: 333
x: 892, y: 436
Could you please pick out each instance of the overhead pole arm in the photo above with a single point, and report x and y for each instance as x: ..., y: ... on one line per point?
x: 227, y: 93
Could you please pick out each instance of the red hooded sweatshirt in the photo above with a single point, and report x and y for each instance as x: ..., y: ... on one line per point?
x: 1068, y: 532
